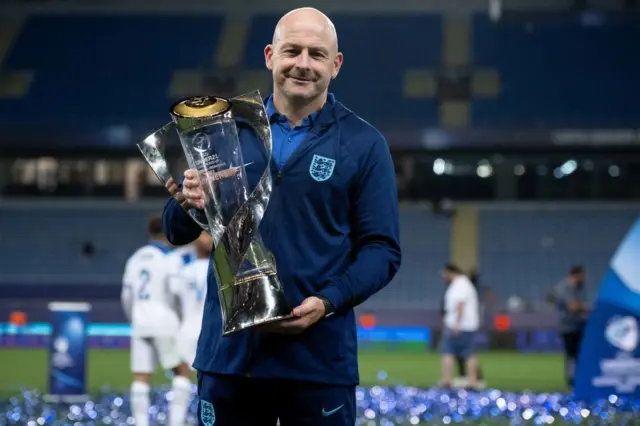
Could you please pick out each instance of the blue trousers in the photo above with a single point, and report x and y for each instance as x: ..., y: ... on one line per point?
x: 240, y: 401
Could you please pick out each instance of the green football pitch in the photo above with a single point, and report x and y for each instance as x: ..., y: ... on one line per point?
x: 27, y: 369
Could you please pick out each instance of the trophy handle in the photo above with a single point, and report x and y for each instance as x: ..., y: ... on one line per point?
x: 153, y: 150
x: 249, y: 108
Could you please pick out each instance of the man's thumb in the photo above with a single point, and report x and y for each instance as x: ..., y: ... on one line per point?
x: 305, y: 308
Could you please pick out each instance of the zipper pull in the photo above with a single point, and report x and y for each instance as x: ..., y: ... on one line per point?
x: 278, y: 178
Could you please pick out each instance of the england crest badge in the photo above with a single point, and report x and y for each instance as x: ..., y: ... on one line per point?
x: 321, y: 168
x: 207, y: 413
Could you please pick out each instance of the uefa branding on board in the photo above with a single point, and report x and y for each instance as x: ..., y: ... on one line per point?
x: 623, y: 371
x: 60, y: 357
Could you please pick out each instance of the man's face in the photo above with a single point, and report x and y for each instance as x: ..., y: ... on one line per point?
x: 447, y: 276
x: 303, y: 59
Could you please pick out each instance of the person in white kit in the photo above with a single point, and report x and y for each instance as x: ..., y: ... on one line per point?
x: 461, y: 323
x: 150, y: 307
x: 187, y: 253
x: 191, y: 289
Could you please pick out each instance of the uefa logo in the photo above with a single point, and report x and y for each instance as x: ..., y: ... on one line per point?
x: 61, y: 357
x: 61, y: 345
x: 622, y: 333
x: 201, y: 142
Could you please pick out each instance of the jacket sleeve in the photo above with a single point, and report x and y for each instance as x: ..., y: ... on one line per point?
x: 177, y: 225
x: 376, y: 232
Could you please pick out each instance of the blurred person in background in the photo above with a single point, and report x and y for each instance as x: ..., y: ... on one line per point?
x: 460, y: 381
x: 474, y: 277
x: 188, y: 253
x: 570, y: 299
x: 190, y: 287
x: 460, y: 324
x: 148, y: 304
x: 303, y: 370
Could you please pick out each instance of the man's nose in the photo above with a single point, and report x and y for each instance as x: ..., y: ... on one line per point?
x: 304, y: 60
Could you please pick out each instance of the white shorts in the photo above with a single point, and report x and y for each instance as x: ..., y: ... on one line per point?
x: 148, y: 352
x: 187, y: 346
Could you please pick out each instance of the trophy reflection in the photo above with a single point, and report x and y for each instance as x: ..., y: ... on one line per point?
x: 248, y: 285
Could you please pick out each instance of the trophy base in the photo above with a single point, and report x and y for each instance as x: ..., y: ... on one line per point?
x: 253, y: 303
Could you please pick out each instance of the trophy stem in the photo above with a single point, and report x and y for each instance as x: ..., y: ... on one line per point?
x: 264, y: 303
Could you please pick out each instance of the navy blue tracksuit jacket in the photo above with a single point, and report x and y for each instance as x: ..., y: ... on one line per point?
x: 336, y: 237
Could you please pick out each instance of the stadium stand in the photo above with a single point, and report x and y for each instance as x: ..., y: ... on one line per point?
x: 558, y: 71
x: 525, y: 252
x: 383, y: 102
x: 513, y: 242
x: 47, y: 242
x: 104, y: 70
x: 56, y: 257
x: 122, y: 66
x: 112, y: 70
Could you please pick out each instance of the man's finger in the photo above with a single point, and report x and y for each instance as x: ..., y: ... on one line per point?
x: 192, y: 195
x: 191, y: 174
x: 307, y: 307
x: 171, y: 187
x: 303, y: 310
x: 191, y: 183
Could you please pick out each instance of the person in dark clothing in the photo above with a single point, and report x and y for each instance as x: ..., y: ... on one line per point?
x: 570, y: 299
x: 332, y: 224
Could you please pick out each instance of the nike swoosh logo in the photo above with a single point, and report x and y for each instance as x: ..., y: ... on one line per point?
x: 245, y: 164
x: 326, y: 413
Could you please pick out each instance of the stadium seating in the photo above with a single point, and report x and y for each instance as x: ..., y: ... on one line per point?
x: 377, y: 54
x: 46, y: 242
x: 95, y: 71
x: 559, y: 71
x: 54, y: 256
x: 425, y: 240
x: 90, y: 72
x: 526, y: 252
x: 522, y: 251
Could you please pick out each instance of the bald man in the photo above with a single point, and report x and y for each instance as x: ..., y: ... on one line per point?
x: 332, y: 224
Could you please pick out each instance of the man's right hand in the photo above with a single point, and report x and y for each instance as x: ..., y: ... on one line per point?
x: 192, y: 189
x: 192, y: 195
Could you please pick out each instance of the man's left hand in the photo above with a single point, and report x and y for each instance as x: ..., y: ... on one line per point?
x: 310, y: 311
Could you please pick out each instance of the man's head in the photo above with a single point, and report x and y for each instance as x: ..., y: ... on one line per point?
x: 303, y: 55
x: 450, y: 272
x: 204, y: 245
x: 154, y: 228
x: 577, y: 275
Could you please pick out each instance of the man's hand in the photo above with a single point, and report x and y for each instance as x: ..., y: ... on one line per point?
x: 174, y: 190
x: 310, y: 311
x: 192, y: 190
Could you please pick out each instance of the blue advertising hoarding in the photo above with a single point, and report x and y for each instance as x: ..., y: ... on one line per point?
x: 609, y: 359
x: 68, y: 351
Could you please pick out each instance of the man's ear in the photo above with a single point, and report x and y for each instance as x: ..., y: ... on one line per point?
x: 337, y: 64
x: 268, y: 56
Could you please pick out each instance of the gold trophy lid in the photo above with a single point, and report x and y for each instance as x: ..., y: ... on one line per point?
x: 201, y: 107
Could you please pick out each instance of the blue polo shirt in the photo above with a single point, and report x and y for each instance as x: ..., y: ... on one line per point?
x: 286, y: 139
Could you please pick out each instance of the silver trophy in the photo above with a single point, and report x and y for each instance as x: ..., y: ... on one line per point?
x: 248, y: 285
